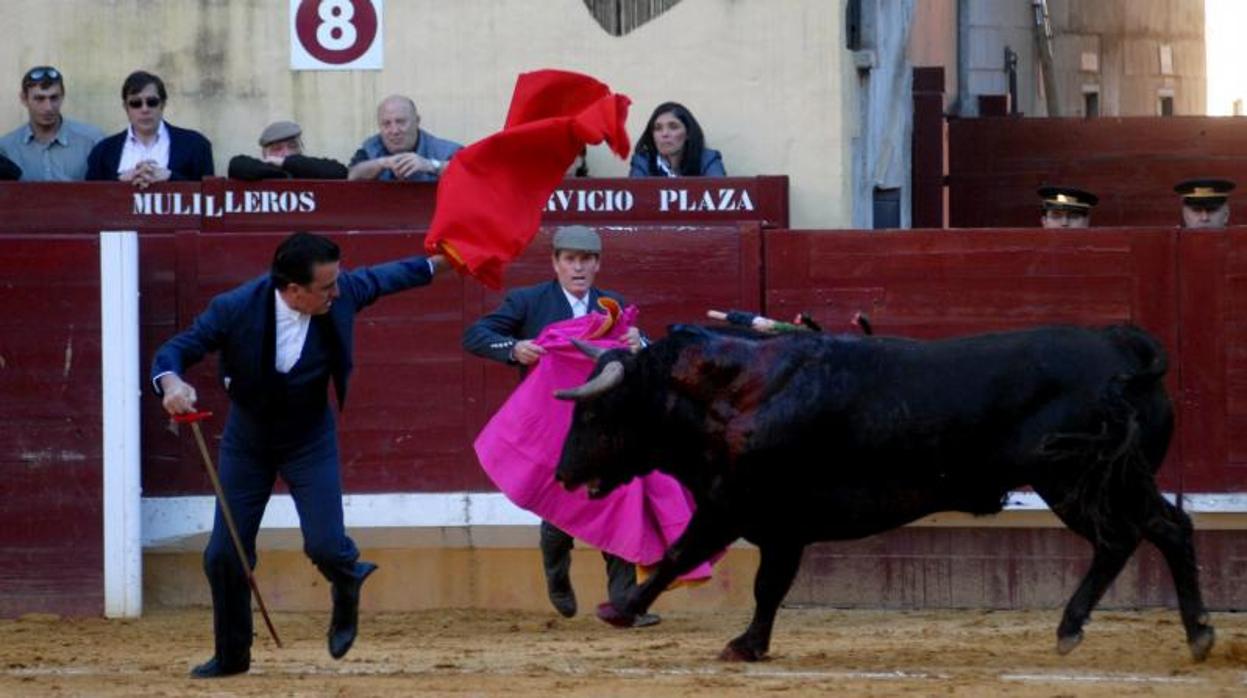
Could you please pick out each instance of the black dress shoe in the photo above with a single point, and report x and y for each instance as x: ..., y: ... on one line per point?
x: 607, y: 613
x: 216, y: 667
x: 562, y: 597
x: 564, y: 603
x: 345, y: 622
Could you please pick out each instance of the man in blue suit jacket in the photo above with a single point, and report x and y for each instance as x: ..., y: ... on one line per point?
x: 150, y: 150
x: 282, y: 338
x: 506, y: 335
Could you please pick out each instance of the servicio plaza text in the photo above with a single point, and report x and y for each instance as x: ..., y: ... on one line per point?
x: 562, y: 200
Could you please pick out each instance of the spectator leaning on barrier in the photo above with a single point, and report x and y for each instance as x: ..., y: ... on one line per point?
x: 281, y: 157
x: 1205, y: 202
x: 48, y: 147
x: 150, y: 150
x: 1066, y: 207
x: 401, y: 149
x: 673, y: 146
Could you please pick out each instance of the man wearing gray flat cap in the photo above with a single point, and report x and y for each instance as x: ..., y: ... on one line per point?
x: 506, y: 335
x: 281, y: 157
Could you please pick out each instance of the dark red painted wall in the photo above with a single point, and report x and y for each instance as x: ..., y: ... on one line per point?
x: 417, y: 401
x: 996, y: 164
x: 51, y: 449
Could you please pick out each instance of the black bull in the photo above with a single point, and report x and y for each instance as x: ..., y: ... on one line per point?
x: 806, y: 437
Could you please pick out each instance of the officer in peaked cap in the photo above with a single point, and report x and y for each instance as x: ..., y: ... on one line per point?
x: 1205, y: 202
x: 1066, y: 207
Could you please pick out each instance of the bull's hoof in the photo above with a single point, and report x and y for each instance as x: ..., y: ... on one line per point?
x: 738, y: 653
x: 1202, y: 642
x: 1066, y: 643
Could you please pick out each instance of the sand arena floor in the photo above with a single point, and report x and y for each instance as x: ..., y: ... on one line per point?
x: 517, y: 654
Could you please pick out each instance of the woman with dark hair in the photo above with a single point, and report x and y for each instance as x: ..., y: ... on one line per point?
x: 150, y: 150
x: 673, y: 146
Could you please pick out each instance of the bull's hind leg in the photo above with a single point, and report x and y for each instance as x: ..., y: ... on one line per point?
x: 1106, y: 563
x: 776, y: 570
x: 1169, y: 529
x: 1112, y: 547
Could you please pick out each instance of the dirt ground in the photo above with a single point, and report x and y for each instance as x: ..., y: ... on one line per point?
x: 476, y: 652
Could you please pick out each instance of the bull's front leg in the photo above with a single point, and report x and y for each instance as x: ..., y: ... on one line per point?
x: 707, y: 534
x: 776, y: 570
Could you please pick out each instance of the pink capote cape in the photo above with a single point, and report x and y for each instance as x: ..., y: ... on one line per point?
x: 520, y: 447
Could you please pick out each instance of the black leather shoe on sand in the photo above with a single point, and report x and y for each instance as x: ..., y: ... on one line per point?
x: 562, y: 597
x: 607, y: 613
x: 345, y: 623
x: 216, y: 667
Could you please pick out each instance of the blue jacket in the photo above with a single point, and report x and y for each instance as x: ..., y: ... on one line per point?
x: 524, y: 313
x: 240, y: 324
x: 711, y: 165
x: 190, y: 156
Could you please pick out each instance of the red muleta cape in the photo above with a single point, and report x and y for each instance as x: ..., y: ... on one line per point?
x: 490, y: 199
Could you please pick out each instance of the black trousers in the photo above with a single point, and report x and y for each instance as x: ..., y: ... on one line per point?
x: 556, y: 557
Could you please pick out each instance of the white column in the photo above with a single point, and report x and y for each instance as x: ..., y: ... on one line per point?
x: 122, y: 390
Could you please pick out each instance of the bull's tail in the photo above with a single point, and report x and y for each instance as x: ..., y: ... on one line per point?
x: 1113, y: 463
x: 1150, y: 362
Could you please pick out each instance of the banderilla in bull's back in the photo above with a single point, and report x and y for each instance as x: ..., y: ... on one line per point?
x: 803, y: 322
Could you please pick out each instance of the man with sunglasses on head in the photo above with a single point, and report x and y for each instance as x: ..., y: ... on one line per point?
x: 283, y: 339
x: 48, y: 147
x: 150, y: 150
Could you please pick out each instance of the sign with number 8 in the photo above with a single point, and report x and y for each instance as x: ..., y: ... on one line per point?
x: 335, y: 35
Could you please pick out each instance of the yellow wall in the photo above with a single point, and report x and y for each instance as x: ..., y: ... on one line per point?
x: 419, y: 578
x: 764, y: 78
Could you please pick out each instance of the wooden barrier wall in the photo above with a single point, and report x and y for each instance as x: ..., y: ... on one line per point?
x: 995, y: 166
x: 51, y: 444
x: 417, y: 400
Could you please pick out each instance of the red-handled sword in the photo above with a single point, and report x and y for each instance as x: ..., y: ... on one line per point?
x: 193, y: 419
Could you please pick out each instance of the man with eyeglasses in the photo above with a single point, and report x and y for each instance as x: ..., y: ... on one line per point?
x: 401, y: 149
x: 48, y: 147
x: 282, y: 338
x: 151, y: 149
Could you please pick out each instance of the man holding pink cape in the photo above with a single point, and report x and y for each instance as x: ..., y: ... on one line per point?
x: 520, y: 446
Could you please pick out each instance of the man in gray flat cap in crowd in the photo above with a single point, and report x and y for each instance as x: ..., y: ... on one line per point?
x: 281, y: 157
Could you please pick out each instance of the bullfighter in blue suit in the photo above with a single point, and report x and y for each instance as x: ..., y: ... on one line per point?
x: 506, y: 335
x: 282, y: 338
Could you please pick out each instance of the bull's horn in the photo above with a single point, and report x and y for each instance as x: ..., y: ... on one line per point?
x: 612, y: 375
x: 592, y: 351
